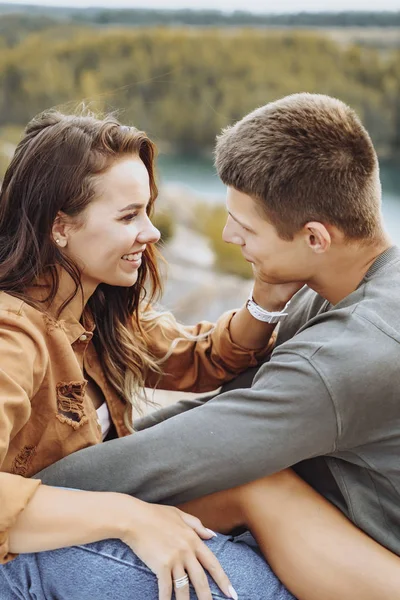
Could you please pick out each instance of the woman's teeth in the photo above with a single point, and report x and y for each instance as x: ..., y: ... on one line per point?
x: 132, y: 257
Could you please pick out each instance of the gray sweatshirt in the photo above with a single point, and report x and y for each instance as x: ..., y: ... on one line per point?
x: 327, y: 403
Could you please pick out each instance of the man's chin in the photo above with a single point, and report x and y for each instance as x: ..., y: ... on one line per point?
x: 271, y: 278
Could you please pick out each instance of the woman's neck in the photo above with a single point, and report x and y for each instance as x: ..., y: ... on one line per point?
x: 67, y: 287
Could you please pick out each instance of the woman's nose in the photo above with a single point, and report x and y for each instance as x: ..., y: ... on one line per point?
x: 149, y: 235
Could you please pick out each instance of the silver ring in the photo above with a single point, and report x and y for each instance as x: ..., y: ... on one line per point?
x: 181, y: 582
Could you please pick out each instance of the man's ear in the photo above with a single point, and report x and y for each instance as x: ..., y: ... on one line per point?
x: 317, y: 237
x: 59, y: 231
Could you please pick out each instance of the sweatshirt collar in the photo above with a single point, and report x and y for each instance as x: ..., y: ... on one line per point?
x: 384, y: 259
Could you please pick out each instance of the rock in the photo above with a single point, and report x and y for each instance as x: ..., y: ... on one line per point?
x: 189, y: 248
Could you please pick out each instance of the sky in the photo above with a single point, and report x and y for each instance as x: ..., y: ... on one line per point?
x: 229, y: 5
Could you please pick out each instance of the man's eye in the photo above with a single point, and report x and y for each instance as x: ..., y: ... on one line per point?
x: 129, y: 217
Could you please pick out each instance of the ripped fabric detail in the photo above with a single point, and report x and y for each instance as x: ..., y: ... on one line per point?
x: 70, y: 407
x: 23, y: 461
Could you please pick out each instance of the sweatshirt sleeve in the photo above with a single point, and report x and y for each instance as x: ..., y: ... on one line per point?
x: 21, y: 372
x: 199, y: 358
x: 242, y: 435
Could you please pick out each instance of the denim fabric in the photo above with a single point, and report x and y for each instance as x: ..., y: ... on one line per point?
x: 109, y: 570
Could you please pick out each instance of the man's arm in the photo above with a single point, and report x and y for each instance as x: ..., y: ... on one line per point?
x: 242, y: 435
x: 166, y: 412
x: 244, y: 380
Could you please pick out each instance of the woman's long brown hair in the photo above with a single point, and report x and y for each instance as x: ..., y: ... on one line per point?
x: 53, y: 170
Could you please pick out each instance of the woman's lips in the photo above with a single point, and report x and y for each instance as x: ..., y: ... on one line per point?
x: 134, y: 260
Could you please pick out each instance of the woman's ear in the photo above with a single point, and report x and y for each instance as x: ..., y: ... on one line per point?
x: 317, y: 237
x: 59, y: 231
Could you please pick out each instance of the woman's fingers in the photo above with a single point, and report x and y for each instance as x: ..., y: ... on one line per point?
x: 198, y: 579
x: 164, y: 584
x: 169, y: 543
x: 197, y: 526
x: 181, y: 583
x: 212, y: 565
x: 207, y: 558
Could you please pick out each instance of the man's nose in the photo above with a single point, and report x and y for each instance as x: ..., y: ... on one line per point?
x: 230, y: 236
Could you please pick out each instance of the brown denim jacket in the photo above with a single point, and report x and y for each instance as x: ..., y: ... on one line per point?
x: 45, y: 411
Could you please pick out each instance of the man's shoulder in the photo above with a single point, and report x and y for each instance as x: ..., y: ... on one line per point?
x: 376, y: 300
x: 357, y: 339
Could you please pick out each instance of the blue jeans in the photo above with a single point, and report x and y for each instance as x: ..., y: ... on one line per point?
x: 109, y: 570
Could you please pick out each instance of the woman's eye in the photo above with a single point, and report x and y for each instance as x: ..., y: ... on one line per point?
x: 129, y: 217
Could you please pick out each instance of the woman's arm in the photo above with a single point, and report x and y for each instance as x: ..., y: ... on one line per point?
x: 58, y: 518
x: 203, y: 357
x: 23, y: 363
x: 165, y: 538
x: 312, y: 547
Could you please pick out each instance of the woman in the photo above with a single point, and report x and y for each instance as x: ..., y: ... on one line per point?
x: 76, y: 249
x: 78, y: 342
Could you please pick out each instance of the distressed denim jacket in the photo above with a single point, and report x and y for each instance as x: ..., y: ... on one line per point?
x: 45, y: 410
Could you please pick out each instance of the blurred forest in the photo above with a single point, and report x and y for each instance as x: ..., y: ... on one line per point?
x: 183, y: 84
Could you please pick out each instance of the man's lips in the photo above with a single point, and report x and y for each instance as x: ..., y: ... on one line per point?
x: 248, y: 259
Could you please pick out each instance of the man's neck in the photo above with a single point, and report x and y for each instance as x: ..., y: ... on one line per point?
x: 346, y: 269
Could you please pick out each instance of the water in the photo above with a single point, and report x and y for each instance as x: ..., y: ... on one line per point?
x: 199, y: 176
x: 390, y: 177
x: 196, y: 173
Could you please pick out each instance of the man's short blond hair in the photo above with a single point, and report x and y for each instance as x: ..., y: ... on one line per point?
x: 306, y: 157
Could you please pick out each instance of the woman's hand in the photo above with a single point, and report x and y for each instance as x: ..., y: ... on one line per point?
x: 274, y: 296
x: 168, y: 541
x: 250, y: 333
x: 165, y: 538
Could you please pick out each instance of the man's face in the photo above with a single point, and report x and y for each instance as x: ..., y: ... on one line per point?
x: 274, y: 260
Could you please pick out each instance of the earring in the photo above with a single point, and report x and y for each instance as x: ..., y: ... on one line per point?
x: 57, y: 241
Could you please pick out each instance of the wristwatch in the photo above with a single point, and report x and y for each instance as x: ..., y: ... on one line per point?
x: 265, y: 315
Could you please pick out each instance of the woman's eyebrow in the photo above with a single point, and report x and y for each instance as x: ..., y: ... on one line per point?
x: 135, y: 206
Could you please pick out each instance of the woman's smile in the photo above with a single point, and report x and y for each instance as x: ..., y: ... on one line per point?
x: 133, y: 260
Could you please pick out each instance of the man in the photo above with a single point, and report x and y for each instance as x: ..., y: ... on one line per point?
x: 304, y: 206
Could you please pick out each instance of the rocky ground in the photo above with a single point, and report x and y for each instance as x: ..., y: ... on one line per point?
x: 194, y: 290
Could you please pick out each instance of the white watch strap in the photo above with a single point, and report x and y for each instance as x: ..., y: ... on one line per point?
x: 263, y: 315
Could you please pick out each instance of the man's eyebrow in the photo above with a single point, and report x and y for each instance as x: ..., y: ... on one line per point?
x: 240, y: 223
x: 137, y: 206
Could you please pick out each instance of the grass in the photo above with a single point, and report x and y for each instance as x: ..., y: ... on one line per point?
x: 229, y: 259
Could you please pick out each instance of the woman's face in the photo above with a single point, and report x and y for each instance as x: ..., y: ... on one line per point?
x: 108, y: 246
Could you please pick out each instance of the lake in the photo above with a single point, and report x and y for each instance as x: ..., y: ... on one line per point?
x: 198, y: 174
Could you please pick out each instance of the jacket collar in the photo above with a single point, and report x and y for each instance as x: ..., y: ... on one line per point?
x: 75, y: 318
